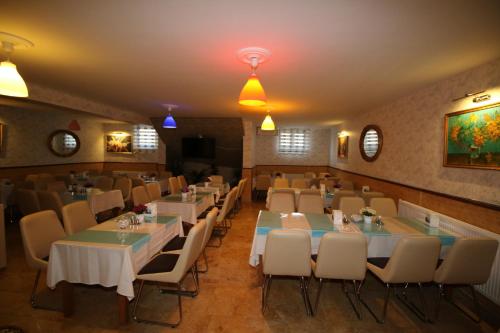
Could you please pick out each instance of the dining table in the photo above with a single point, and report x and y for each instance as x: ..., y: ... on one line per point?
x: 188, y: 209
x: 110, y: 254
x: 381, y: 238
x: 326, y: 196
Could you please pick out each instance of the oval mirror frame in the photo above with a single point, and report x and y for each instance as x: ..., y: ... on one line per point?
x: 57, y: 153
x: 362, y: 141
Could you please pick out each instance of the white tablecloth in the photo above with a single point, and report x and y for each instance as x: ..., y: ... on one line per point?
x: 214, y: 190
x: 188, y: 210
x: 104, y: 264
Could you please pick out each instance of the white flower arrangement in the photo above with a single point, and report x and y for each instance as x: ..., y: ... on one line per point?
x: 367, y: 211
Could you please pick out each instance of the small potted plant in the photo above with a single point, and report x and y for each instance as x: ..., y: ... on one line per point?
x: 139, y: 209
x: 367, y: 214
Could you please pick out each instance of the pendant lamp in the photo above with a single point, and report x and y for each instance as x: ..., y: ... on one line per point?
x: 268, y: 123
x: 11, y: 82
x: 169, y: 121
x: 253, y: 93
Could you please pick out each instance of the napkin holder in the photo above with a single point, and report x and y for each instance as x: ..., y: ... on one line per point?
x: 365, y: 188
x: 434, y: 220
x: 337, y: 217
x: 151, y: 210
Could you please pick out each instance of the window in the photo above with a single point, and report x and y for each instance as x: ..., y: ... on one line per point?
x: 294, y: 141
x: 145, y: 138
x: 69, y: 142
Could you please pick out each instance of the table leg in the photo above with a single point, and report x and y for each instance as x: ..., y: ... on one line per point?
x: 68, y: 298
x: 122, y: 309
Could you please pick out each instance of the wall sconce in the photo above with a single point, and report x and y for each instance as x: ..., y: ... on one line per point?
x: 481, y: 98
x: 342, y: 134
x: 476, y: 99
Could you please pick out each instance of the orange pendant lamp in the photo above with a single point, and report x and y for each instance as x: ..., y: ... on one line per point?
x: 11, y: 82
x: 253, y: 93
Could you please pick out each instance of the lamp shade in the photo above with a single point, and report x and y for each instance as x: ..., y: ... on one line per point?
x: 252, y: 93
x: 268, y: 124
x: 169, y: 122
x: 11, y: 83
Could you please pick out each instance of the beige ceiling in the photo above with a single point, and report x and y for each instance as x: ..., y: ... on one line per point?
x: 329, y: 58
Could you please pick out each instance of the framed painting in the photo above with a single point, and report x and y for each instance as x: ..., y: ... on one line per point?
x: 472, y: 138
x: 119, y: 143
x: 342, y: 146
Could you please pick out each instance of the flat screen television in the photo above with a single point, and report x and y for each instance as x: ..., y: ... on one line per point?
x: 198, y: 148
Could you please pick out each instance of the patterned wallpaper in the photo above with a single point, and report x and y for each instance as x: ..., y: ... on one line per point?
x: 412, y: 127
x: 249, y: 144
x: 266, y: 150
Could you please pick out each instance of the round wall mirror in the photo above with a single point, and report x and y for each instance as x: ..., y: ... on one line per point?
x: 63, y: 143
x: 370, y: 142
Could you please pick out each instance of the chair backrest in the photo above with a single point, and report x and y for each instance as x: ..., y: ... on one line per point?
x: 351, y: 205
x: 282, y: 202
x: 140, y: 196
x: 262, y: 182
x: 233, y: 198
x: 182, y: 181
x: 124, y: 184
x: 300, y: 183
x: 324, y: 175
x: 340, y: 194
x: 211, y: 219
x: 342, y: 256
x: 190, y: 252
x: 154, y: 190
x: 309, y: 175
x: 163, y: 185
x: 105, y: 201
x: 281, y: 183
x: 39, y: 230
x: 27, y: 201
x: 287, y: 252
x: 58, y: 186
x: 104, y: 183
x: 310, y: 202
x: 165, y: 174
x: 384, y: 206
x: 50, y: 201
x: 347, y: 185
x: 226, y: 206
x: 241, y: 186
x: 77, y: 216
x: 469, y: 261
x: 216, y: 179
x: 173, y: 185
x: 413, y: 260
x: 367, y: 196
x: 136, y: 181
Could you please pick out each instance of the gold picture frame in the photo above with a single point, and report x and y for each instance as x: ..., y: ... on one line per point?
x: 472, y: 138
x: 342, y: 147
x: 119, y: 142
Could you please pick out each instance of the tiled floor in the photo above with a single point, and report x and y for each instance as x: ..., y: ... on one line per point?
x: 229, y: 300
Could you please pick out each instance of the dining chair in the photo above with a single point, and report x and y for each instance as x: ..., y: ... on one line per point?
x: 58, y: 186
x: 230, y: 200
x: 282, y: 202
x: 241, y: 187
x: 124, y: 184
x: 469, y: 262
x: 27, y: 201
x: 281, y: 183
x: 349, y: 266
x: 169, y: 268
x: 340, y: 194
x: 262, y: 184
x: 137, y: 181
x: 301, y: 183
x: 140, y: 196
x: 104, y: 183
x: 367, y: 196
x: 310, y: 201
x: 310, y: 175
x: 223, y: 216
x: 287, y: 253
x: 216, y: 179
x: 329, y: 184
x: 50, y: 201
x: 347, y: 185
x: 154, y: 191
x: 384, y: 206
x: 106, y: 205
x: 351, y: 205
x: 324, y: 175
x: 77, y: 216
x: 163, y: 186
x: 39, y: 230
x: 173, y: 185
x: 182, y: 181
x: 413, y: 261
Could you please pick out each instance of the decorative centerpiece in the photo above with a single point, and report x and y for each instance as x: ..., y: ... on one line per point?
x: 367, y: 214
x: 185, y: 193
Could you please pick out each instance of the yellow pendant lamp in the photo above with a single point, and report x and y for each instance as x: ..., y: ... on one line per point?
x: 268, y: 123
x: 253, y: 93
x: 11, y: 82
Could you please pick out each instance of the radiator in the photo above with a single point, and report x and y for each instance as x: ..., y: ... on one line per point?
x: 490, y: 289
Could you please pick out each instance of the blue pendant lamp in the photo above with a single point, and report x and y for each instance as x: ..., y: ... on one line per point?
x: 169, y: 121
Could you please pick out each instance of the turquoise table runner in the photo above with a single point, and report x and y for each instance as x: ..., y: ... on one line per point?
x: 372, y: 229
x: 268, y: 221
x: 137, y: 240
x: 319, y: 223
x: 444, y: 237
x: 163, y: 219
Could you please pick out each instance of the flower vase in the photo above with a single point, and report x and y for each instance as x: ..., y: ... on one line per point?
x: 367, y: 219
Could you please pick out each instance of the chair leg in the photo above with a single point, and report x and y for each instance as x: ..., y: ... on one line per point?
x: 386, y: 302
x: 33, y: 291
x: 422, y: 300
x: 206, y: 263
x: 305, y: 296
x: 420, y: 313
x: 475, y: 317
x: 265, y: 291
x: 438, y: 304
x: 316, y: 303
x: 141, y: 320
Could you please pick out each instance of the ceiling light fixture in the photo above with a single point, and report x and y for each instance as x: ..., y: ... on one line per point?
x: 169, y: 121
x: 253, y: 93
x: 268, y: 123
x: 11, y: 83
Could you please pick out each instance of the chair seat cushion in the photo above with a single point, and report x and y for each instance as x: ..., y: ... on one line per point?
x: 177, y: 243
x: 162, y: 263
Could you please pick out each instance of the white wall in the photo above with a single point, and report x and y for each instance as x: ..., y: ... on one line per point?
x: 412, y: 128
